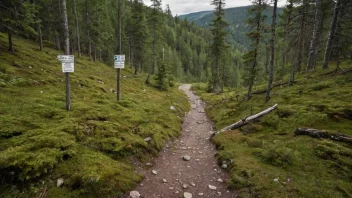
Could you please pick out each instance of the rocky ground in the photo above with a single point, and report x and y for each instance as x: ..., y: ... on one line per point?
x: 187, y: 167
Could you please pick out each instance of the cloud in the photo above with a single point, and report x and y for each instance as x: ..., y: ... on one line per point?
x: 181, y: 7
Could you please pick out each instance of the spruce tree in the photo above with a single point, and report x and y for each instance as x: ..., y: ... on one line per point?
x: 255, y: 22
x: 219, y: 45
x: 17, y: 17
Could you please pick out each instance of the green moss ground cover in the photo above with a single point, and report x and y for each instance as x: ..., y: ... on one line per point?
x: 267, y: 160
x: 92, y: 146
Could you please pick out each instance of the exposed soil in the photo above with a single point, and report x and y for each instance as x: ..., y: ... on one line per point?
x: 199, y: 172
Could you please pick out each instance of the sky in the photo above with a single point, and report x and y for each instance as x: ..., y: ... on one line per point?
x: 181, y: 7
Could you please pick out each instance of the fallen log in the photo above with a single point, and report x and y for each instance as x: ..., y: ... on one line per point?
x: 275, y: 85
x: 321, y: 134
x: 246, y: 120
x: 345, y: 71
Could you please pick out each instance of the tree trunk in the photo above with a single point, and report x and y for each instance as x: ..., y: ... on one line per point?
x: 267, y: 54
x: 11, y: 49
x: 301, y: 37
x: 154, y: 41
x: 315, y: 133
x: 100, y: 56
x: 89, y: 42
x: 40, y: 37
x: 253, y: 69
x: 67, y: 52
x: 95, y: 53
x: 328, y: 49
x: 315, y: 37
x: 272, y: 46
x: 120, y: 26
x: 57, y: 41
x: 216, y: 88
x: 77, y: 30
x: 248, y: 119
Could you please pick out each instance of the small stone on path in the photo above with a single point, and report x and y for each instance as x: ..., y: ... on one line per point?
x: 186, y: 158
x: 134, y: 194
x: 154, y: 172
x: 187, y: 195
x: 200, y: 194
x: 220, y: 180
x: 193, y: 184
x: 164, y: 181
x: 184, y: 186
x: 212, y: 187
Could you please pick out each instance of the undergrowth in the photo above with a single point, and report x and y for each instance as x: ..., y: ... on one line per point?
x: 267, y: 159
x: 90, y: 147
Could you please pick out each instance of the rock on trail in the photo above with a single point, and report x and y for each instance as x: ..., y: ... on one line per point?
x: 177, y: 175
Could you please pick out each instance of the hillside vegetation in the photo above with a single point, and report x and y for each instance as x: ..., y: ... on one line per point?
x: 236, y: 17
x: 267, y: 159
x: 92, y: 146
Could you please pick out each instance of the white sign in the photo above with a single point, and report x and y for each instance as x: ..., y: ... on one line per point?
x: 66, y: 58
x: 119, y: 58
x: 68, y: 67
x: 119, y: 61
x: 119, y: 65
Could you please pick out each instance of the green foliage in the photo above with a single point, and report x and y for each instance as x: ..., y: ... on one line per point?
x: 162, y: 77
x: 90, y: 146
x: 268, y: 150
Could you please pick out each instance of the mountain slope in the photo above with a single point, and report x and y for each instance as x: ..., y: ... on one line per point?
x: 89, y: 147
x: 236, y: 17
x: 268, y: 159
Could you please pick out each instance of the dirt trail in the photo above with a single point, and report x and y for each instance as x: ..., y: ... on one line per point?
x: 197, y: 173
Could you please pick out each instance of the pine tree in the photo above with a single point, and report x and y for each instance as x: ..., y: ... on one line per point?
x: 155, y: 21
x: 272, y: 47
x: 251, y: 57
x: 139, y: 34
x: 219, y: 45
x: 17, y: 17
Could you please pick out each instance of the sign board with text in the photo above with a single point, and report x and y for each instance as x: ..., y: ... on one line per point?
x: 119, y: 61
x: 68, y: 67
x: 68, y: 63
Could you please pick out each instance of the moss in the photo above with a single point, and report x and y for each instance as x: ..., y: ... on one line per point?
x: 89, y: 146
x: 303, y: 166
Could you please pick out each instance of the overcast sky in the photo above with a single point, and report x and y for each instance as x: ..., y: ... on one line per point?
x: 181, y: 7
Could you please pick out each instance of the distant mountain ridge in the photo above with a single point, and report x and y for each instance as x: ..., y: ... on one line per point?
x: 236, y: 17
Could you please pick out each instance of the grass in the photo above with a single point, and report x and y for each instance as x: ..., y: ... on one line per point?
x: 267, y: 159
x: 91, y: 147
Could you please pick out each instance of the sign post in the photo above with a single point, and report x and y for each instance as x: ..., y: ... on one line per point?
x: 68, y: 66
x: 119, y: 63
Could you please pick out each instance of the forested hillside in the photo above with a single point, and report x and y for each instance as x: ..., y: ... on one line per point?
x: 236, y: 17
x: 245, y: 60
x: 148, y: 35
x: 287, y: 130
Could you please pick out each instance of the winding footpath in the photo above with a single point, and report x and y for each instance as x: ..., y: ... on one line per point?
x: 171, y: 176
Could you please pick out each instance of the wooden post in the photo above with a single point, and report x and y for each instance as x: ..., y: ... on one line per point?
x: 67, y: 52
x: 120, y: 52
x: 118, y: 84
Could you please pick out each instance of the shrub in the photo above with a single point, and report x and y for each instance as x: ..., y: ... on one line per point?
x: 276, y: 157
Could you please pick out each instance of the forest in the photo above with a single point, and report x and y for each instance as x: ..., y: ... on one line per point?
x: 240, y: 60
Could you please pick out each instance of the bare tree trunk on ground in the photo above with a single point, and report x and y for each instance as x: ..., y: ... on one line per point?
x: 248, y: 119
x: 321, y: 134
